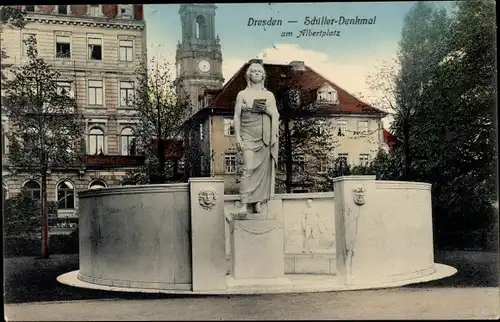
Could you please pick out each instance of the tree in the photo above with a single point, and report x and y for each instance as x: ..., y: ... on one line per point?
x: 458, y: 126
x: 304, y: 136
x: 10, y: 18
x: 47, y: 133
x: 161, y: 113
x: 418, y: 56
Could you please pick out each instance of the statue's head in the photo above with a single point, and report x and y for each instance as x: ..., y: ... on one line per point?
x: 255, y: 74
x: 309, y: 203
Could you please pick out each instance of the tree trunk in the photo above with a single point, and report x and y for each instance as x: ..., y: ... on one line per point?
x: 45, y: 218
x: 161, y: 160
x: 288, y: 157
x: 175, y: 169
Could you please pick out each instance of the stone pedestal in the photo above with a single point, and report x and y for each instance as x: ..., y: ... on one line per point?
x: 257, y: 248
x: 207, y: 234
x: 359, y: 230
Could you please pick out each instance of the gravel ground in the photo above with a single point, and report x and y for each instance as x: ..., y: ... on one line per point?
x: 471, y: 293
x: 400, y: 303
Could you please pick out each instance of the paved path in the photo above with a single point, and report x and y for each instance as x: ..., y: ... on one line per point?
x: 398, y: 303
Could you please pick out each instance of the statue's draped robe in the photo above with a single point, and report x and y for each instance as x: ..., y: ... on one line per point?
x: 257, y: 181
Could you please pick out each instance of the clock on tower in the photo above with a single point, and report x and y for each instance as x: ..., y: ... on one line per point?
x: 204, y: 66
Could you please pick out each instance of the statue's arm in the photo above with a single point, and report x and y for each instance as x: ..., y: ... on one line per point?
x: 237, y: 114
x: 272, y: 109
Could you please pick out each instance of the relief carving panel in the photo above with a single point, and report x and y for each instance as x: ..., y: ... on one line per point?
x: 309, y: 226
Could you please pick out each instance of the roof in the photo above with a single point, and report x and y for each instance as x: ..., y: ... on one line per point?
x: 390, y: 139
x: 307, y: 80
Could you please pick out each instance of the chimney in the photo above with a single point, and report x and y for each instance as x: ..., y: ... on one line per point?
x: 255, y: 61
x: 297, y: 65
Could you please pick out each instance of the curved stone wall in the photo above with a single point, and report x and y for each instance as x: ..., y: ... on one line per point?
x: 406, y: 210
x: 384, y: 230
x: 136, y: 236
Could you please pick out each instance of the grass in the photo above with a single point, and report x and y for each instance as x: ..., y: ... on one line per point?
x: 28, y: 279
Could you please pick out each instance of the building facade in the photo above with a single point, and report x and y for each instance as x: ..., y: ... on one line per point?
x: 98, y: 50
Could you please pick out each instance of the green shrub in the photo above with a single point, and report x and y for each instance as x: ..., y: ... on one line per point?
x: 21, y: 216
x: 31, y: 245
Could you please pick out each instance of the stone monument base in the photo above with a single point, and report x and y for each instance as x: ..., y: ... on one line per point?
x: 298, y: 284
x: 253, y: 282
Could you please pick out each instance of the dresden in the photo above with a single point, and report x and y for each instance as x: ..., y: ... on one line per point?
x: 269, y: 22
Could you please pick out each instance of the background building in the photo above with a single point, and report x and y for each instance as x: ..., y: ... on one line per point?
x: 98, y: 50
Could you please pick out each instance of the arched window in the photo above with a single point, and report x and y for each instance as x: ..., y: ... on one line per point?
x: 32, y: 189
x: 127, y: 140
x: 96, y: 141
x: 97, y: 184
x: 200, y: 27
x: 66, y: 195
x: 128, y: 182
x: 5, y: 191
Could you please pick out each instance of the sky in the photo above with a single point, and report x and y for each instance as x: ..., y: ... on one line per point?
x: 347, y: 59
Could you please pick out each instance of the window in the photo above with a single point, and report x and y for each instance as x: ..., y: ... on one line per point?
x: 364, y: 159
x: 95, y: 10
x: 126, y: 11
x: 299, y: 163
x: 126, y: 93
x: 26, y: 37
x: 202, y: 163
x: 230, y: 162
x: 201, y: 131
x: 126, y: 49
x: 30, y: 138
x: 200, y: 27
x: 127, y: 142
x: 64, y: 88
x: 4, y: 140
x: 95, y: 92
x: 62, y: 10
x: 128, y: 182
x: 95, y: 48
x: 228, y: 126
x: 343, y: 158
x: 322, y: 166
x: 363, y: 126
x: 342, y: 128
x: 65, y: 195
x: 96, y: 141
x: 63, y: 47
x: 29, y: 8
x: 321, y: 127
x: 97, y: 184
x: 32, y: 189
x: 328, y: 95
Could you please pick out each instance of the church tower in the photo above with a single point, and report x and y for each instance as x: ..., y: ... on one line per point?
x: 198, y: 57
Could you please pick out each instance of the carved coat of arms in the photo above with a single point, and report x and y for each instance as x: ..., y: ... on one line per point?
x: 207, y: 198
x: 359, y: 196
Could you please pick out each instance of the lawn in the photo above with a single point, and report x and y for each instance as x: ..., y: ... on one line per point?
x: 28, y: 279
